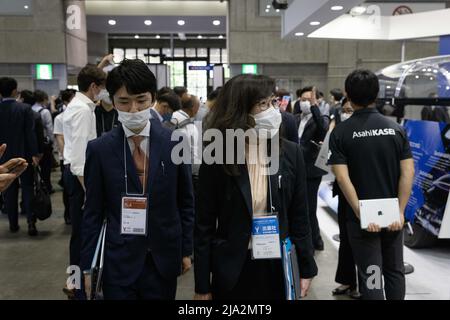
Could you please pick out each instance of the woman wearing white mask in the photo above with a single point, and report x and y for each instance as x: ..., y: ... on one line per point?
x: 234, y: 199
x: 312, y: 129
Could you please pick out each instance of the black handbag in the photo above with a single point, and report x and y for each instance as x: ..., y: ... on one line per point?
x: 41, y: 204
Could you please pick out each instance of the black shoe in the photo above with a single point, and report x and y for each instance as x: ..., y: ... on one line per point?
x: 32, y: 231
x: 341, y: 290
x: 14, y: 229
x: 355, y: 294
x: 319, y: 246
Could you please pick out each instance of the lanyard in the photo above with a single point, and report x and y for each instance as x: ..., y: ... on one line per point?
x: 126, y: 174
x: 270, y: 195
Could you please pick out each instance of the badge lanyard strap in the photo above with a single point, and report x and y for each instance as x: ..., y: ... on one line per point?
x: 126, y: 173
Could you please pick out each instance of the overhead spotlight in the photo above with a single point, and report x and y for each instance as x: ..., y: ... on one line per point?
x: 337, y: 8
x: 112, y: 22
x: 221, y: 37
x: 299, y: 34
x: 25, y: 7
x: 267, y: 10
x: 136, y: 36
x: 268, y: 6
x: 181, y: 22
x: 216, y: 22
x: 158, y: 36
x: 417, y: 77
x: 280, y: 4
x: 314, y: 23
x: 199, y: 36
x: 357, y: 11
x: 148, y: 22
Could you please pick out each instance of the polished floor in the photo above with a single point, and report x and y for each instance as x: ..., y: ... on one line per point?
x: 35, y: 268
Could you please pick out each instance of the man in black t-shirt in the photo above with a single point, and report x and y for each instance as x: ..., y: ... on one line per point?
x: 371, y: 158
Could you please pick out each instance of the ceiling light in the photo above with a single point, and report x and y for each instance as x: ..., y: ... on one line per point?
x: 314, y: 23
x: 278, y: 10
x: 148, y: 22
x: 221, y: 37
x: 158, y: 36
x: 112, y: 22
x: 337, y: 8
x: 216, y: 22
x: 435, y: 71
x: 136, y: 36
x: 431, y: 78
x: 267, y: 10
x: 268, y: 6
x: 388, y: 87
x: 357, y: 11
x: 181, y: 22
x: 25, y: 7
x: 199, y: 36
x: 447, y: 87
x: 417, y: 77
x: 299, y: 34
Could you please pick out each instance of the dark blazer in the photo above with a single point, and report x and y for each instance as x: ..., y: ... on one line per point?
x: 224, y: 219
x: 289, y: 129
x: 170, y: 214
x: 39, y: 131
x: 315, y: 130
x: 17, y: 130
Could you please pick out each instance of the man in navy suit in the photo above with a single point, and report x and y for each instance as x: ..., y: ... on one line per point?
x: 148, y: 249
x: 17, y: 132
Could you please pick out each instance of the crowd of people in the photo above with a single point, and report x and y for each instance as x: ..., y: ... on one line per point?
x: 114, y: 138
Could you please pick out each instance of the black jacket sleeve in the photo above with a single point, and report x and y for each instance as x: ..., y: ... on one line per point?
x: 205, y: 227
x: 299, y: 225
x: 322, y: 123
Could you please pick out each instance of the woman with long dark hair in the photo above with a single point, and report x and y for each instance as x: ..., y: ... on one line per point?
x: 235, y: 199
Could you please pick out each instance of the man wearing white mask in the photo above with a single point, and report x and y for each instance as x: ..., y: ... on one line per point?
x: 146, y: 199
x: 106, y: 116
x: 312, y: 129
x: 79, y: 128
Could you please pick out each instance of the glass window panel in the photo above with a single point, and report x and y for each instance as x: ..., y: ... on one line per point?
x: 154, y: 56
x: 224, y: 56
x: 130, y: 53
x: 167, y: 52
x: 119, y: 55
x: 142, y: 54
x: 191, y: 53
x: 176, y: 73
x: 197, y: 80
x: 202, y: 52
x: 214, y: 55
x: 179, y: 53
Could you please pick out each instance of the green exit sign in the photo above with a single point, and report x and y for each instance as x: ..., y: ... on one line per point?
x: 250, y: 69
x: 44, y: 72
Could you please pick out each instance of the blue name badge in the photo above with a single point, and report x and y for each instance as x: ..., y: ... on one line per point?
x: 266, y: 238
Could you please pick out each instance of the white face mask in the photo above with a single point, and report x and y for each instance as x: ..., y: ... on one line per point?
x: 134, y: 121
x: 267, y: 123
x: 345, y: 116
x: 104, y: 96
x: 305, y: 106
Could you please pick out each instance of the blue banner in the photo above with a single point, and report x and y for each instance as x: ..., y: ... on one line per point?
x: 430, y: 145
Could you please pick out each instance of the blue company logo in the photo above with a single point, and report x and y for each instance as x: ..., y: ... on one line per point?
x: 265, y: 226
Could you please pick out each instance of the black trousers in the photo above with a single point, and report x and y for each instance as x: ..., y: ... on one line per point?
x: 46, y: 164
x: 65, y: 192
x: 346, y: 269
x: 11, y: 197
x: 149, y: 286
x: 312, y: 185
x: 259, y: 280
x: 375, y: 252
x: 76, y: 203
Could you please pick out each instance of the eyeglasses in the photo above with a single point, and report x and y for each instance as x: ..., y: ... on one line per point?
x: 265, y: 104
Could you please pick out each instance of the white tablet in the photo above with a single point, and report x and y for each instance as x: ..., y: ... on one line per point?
x: 382, y: 212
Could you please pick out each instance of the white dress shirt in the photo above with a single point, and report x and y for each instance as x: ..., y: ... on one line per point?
x: 144, y: 133
x: 304, y: 120
x: 47, y: 120
x: 79, y: 127
x: 193, y: 135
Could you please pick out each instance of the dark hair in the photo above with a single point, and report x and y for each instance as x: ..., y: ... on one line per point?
x: 134, y: 75
x: 67, y: 95
x: 362, y: 87
x: 308, y: 89
x: 172, y: 100
x: 180, y: 91
x: 88, y: 75
x: 214, y: 94
x: 7, y: 86
x: 188, y: 101
x: 298, y: 93
x: 337, y: 94
x: 163, y: 91
x: 40, y: 96
x: 27, y: 97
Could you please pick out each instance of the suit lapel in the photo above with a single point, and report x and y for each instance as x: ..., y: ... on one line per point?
x: 118, y: 143
x: 243, y: 182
